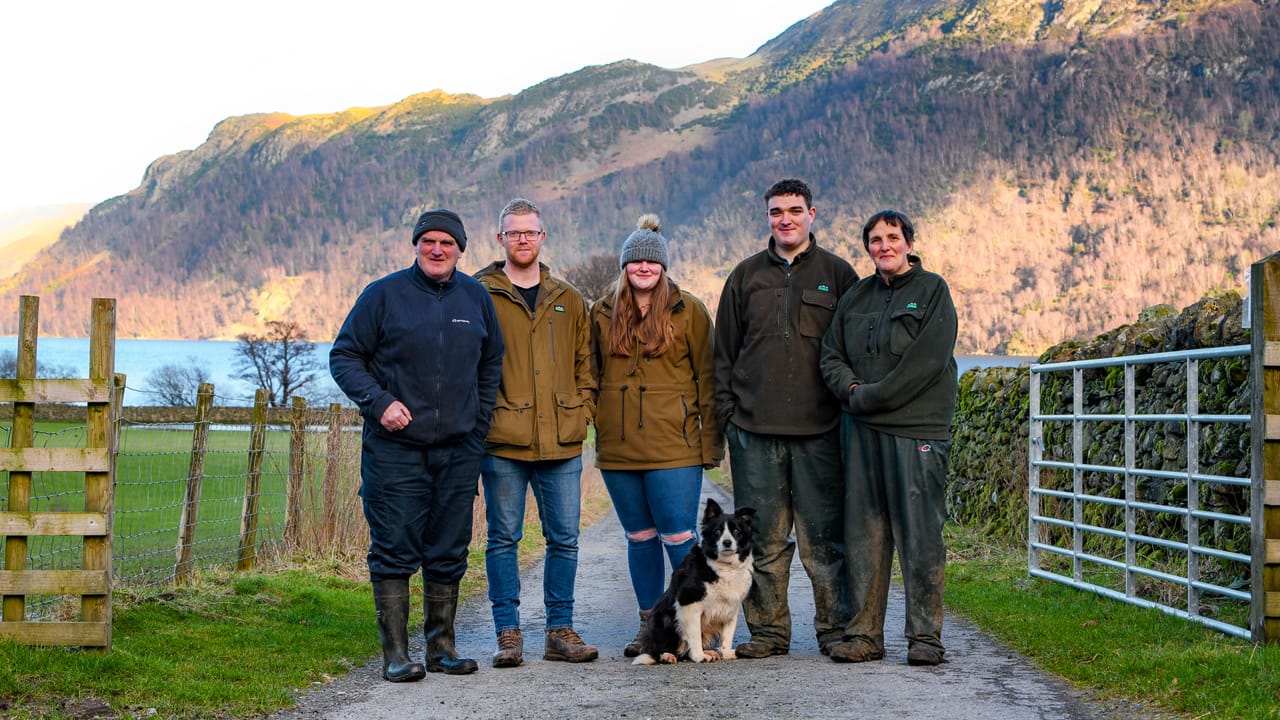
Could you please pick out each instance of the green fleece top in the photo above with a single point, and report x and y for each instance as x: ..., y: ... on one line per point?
x: 896, y: 340
x: 769, y: 327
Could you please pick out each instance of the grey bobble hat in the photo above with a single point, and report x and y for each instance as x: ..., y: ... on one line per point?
x: 446, y: 220
x: 646, y: 243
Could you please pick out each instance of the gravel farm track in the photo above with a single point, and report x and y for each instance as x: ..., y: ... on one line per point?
x: 981, y: 680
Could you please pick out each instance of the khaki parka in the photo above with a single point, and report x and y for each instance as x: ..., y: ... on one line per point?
x: 657, y: 413
x: 547, y: 395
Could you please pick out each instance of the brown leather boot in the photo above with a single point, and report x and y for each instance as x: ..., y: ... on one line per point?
x: 633, y: 648
x: 510, y: 649
x: 564, y: 644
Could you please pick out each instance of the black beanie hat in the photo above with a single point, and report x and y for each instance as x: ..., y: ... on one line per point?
x: 446, y: 220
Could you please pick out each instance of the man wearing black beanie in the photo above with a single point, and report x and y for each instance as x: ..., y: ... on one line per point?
x: 421, y: 355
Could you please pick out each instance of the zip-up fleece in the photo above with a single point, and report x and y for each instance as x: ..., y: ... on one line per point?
x: 436, y: 347
x: 769, y: 329
x: 547, y: 394
x: 657, y: 413
x: 897, y: 340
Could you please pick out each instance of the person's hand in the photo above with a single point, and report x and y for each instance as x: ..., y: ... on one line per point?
x: 396, y: 417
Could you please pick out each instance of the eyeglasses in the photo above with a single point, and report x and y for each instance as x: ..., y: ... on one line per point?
x: 514, y: 235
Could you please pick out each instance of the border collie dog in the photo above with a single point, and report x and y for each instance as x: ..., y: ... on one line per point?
x: 701, y: 602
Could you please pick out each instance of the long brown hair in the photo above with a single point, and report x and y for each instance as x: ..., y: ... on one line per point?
x: 651, y: 332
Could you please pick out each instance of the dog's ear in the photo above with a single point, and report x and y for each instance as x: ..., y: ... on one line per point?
x: 745, y: 513
x: 712, y: 509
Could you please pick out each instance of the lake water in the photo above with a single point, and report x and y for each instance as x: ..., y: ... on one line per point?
x: 137, y: 359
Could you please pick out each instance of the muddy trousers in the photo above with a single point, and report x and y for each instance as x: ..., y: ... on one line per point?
x: 895, y: 497
x: 792, y: 482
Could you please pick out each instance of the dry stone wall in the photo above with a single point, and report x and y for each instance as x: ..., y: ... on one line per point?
x: 989, y: 464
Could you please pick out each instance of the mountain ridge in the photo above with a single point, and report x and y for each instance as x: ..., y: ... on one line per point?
x: 1084, y: 132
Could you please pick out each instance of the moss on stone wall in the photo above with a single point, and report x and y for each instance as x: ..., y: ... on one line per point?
x: 989, y: 462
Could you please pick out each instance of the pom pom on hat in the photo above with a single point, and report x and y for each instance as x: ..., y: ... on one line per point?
x: 445, y: 220
x: 646, y: 243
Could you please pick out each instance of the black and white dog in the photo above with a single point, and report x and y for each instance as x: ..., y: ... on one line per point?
x: 701, y: 602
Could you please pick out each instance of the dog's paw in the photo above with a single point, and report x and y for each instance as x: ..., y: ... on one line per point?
x: 668, y: 659
x: 728, y: 654
x: 644, y: 659
x: 711, y: 655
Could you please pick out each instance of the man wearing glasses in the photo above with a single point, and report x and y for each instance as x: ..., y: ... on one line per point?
x: 545, y: 401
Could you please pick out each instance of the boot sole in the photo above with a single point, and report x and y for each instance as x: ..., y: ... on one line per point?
x: 565, y: 658
x: 410, y: 677
x: 465, y: 669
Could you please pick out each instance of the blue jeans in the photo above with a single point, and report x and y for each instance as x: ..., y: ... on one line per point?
x: 556, y: 487
x: 657, y: 508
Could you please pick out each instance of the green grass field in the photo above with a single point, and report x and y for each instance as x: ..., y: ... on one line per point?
x: 153, y: 465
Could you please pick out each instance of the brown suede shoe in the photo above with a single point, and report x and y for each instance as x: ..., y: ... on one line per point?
x: 510, y: 649
x: 756, y: 649
x: 633, y: 648
x: 855, y: 650
x: 565, y: 645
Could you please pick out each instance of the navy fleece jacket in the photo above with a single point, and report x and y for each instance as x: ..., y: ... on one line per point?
x: 436, y: 347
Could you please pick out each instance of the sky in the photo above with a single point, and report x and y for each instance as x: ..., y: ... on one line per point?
x: 93, y: 91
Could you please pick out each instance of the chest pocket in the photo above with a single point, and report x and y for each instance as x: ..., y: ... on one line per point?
x: 904, y: 328
x: 816, y: 310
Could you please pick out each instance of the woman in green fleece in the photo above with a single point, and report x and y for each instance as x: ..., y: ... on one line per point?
x: 889, y: 354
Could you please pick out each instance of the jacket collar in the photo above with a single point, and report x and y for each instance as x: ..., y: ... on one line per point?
x: 777, y: 259
x: 914, y: 268
x: 415, y: 271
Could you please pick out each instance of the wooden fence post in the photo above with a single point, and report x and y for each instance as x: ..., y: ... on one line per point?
x: 92, y: 526
x: 252, y: 482
x: 195, y: 480
x: 21, y: 436
x: 99, y: 487
x: 331, y: 467
x: 1265, y: 498
x: 297, y: 468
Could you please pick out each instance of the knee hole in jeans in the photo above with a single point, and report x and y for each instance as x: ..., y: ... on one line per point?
x: 645, y: 535
x: 679, y: 538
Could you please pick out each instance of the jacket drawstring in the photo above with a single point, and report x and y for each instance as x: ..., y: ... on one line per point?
x: 623, y: 424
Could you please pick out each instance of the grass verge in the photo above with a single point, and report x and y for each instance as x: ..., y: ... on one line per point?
x: 239, y: 646
x: 1107, y: 647
x: 229, y: 645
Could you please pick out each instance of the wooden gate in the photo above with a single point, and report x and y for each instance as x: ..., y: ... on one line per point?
x: 101, y: 394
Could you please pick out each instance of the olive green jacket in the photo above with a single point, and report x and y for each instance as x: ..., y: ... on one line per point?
x: 657, y: 413
x: 547, y: 395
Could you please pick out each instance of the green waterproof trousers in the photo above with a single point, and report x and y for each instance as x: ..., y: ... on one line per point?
x: 895, y: 497
x: 792, y: 482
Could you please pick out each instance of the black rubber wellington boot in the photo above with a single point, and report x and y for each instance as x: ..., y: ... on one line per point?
x: 391, y: 600
x: 442, y: 606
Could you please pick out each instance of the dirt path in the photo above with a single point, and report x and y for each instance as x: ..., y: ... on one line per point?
x: 980, y: 680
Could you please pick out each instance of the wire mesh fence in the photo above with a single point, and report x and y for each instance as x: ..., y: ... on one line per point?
x: 304, y: 499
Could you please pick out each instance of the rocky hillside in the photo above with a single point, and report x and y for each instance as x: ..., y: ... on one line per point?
x: 1068, y: 163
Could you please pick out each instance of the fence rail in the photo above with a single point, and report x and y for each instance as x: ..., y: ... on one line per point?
x: 1090, y: 554
x: 1195, y: 541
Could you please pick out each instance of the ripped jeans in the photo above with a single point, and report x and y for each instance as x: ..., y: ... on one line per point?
x: 657, y: 509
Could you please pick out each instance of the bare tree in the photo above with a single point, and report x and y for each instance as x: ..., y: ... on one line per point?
x: 594, y: 277
x: 282, y: 361
x: 9, y: 367
x: 176, y: 385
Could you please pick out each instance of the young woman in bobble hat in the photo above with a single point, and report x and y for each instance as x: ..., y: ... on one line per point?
x: 651, y: 344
